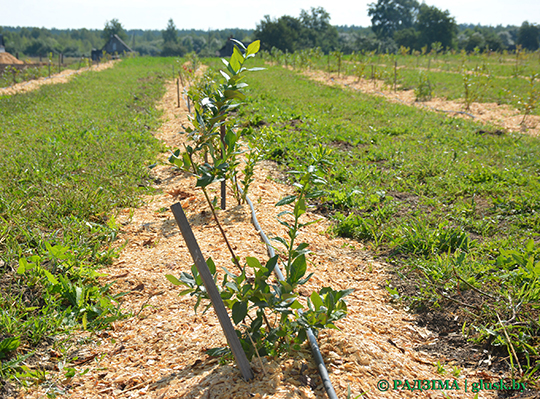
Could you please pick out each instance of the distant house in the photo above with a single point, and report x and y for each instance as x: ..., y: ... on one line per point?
x: 227, y: 49
x: 115, y: 45
x: 2, y: 45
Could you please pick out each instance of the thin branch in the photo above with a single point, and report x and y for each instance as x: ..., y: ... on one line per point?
x: 510, y: 343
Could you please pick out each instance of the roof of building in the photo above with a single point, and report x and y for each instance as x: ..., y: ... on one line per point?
x: 115, y: 36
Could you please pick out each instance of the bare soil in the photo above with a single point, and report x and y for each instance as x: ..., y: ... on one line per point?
x: 160, y: 352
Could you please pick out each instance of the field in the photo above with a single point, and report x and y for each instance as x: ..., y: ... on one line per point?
x: 450, y: 206
x: 499, y: 78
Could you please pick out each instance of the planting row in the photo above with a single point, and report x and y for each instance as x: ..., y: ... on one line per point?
x: 503, y: 78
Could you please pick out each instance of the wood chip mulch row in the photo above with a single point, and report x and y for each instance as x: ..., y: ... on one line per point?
x: 62, y: 77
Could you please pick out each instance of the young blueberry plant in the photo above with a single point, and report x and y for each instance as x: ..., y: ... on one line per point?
x: 213, y: 133
x: 269, y: 314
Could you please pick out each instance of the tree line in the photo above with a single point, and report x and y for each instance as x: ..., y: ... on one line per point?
x: 409, y: 24
x: 395, y: 24
x: 32, y: 41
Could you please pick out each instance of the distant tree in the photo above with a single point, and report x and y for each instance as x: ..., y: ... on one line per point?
x: 284, y: 33
x: 113, y: 27
x: 528, y: 36
x: 312, y: 29
x: 493, y: 41
x: 407, y: 38
x: 317, y: 31
x: 170, y: 35
x: 435, y: 25
x: 476, y: 39
x: 390, y: 16
x: 506, y: 39
x: 42, y: 46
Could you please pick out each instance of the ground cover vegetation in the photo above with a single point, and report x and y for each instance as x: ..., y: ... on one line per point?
x: 71, y: 155
x: 502, y: 78
x: 452, y: 206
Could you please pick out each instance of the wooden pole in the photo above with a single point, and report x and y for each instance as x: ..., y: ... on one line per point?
x: 181, y: 78
x: 213, y: 293
x: 395, y: 76
x: 223, y: 204
x: 178, y: 91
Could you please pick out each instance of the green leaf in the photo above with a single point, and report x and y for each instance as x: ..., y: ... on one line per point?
x: 296, y: 305
x: 253, y: 262
x: 272, y: 262
x: 232, y: 94
x: 211, y: 265
x: 316, y: 300
x: 286, y: 200
x: 298, y: 269
x: 239, y: 312
x: 23, y: 264
x: 204, y: 180
x: 236, y: 60
x: 218, y: 352
x: 187, y: 161
x: 253, y: 48
x: 8, y: 345
x: 224, y: 74
x: 50, y: 277
x: 300, y: 207
x: 281, y: 240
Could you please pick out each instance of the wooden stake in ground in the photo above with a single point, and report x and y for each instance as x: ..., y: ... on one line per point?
x: 213, y: 293
x: 223, y: 204
x: 395, y: 76
x: 178, y: 91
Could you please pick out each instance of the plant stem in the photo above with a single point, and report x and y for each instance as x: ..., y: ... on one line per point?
x: 235, y: 259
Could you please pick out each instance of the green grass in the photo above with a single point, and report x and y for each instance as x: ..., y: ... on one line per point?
x: 453, y: 208
x: 71, y: 155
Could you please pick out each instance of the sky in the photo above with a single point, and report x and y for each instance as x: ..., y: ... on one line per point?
x: 216, y: 14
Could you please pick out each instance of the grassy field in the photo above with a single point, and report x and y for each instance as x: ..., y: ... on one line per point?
x: 453, y: 206
x: 499, y: 78
x: 71, y: 155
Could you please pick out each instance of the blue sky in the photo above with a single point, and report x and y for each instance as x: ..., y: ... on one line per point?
x: 216, y: 14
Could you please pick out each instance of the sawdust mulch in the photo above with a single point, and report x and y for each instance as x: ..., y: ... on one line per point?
x: 62, y: 77
x: 8, y: 59
x: 160, y: 353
